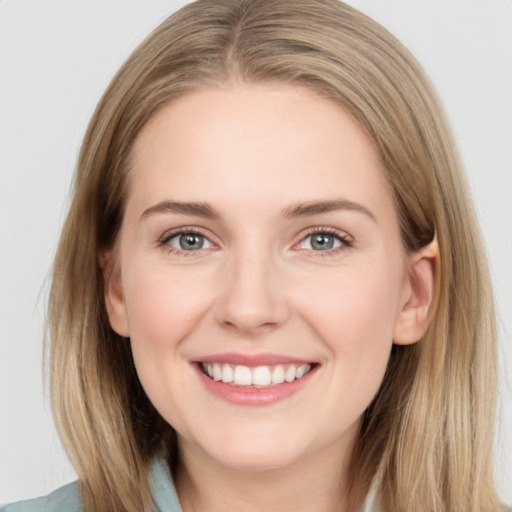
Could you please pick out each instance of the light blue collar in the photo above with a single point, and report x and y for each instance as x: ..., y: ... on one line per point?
x: 166, y: 498
x: 162, y: 487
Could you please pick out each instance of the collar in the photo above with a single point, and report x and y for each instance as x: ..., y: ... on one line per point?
x: 166, y: 497
x: 162, y: 487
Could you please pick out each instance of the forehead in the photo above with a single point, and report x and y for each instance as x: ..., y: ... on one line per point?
x: 255, y: 142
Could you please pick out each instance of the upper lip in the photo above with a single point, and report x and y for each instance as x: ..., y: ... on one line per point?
x: 250, y: 359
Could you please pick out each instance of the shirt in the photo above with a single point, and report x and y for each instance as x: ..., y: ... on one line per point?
x: 67, y: 498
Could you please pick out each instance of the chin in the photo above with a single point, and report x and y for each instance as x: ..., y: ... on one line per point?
x: 255, y: 459
x: 246, y: 451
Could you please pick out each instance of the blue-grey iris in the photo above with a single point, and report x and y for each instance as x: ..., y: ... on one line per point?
x: 191, y: 242
x: 322, y: 242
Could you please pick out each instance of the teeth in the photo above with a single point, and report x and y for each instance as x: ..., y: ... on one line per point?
x: 278, y: 375
x: 260, y: 376
x: 227, y: 374
x: 217, y: 372
x: 302, y: 370
x: 289, y: 375
x: 242, y: 376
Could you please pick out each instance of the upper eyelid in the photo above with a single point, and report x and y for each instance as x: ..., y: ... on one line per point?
x: 341, y: 234
x: 216, y: 240
x: 163, y: 242
x: 171, y: 233
x: 345, y: 239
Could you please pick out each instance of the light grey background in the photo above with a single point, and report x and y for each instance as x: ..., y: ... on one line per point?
x: 57, y: 57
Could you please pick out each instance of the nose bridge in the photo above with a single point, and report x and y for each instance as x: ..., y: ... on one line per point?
x: 252, y: 297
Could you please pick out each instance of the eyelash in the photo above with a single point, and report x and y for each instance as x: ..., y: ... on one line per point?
x: 164, y: 242
x: 343, y: 238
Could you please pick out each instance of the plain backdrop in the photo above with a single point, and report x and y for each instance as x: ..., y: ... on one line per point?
x: 56, y: 58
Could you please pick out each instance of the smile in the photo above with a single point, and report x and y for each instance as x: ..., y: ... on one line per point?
x: 257, y: 377
x: 254, y: 379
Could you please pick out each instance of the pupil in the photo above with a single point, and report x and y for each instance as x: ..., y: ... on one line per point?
x: 190, y: 242
x: 322, y: 242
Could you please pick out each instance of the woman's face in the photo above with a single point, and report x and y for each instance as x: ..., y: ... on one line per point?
x: 260, y: 242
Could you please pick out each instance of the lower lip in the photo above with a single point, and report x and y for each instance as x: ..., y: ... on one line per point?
x: 242, y: 395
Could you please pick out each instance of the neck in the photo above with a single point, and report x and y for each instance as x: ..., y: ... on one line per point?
x: 315, y: 484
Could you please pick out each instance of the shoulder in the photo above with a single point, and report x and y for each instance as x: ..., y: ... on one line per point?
x: 64, y: 499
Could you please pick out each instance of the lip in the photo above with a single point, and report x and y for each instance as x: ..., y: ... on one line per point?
x: 250, y: 396
x: 250, y: 360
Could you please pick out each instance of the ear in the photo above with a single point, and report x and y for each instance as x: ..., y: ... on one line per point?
x: 419, y: 292
x: 113, y: 293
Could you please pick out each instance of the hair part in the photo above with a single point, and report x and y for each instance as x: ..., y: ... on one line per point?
x: 436, y: 403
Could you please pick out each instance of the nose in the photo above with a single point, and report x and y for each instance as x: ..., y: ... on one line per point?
x: 252, y: 299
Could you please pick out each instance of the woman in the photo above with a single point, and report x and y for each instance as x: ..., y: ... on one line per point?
x: 260, y: 180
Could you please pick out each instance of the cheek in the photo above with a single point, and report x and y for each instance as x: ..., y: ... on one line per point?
x: 354, y: 303
x: 163, y: 310
x: 159, y: 303
x: 355, y: 319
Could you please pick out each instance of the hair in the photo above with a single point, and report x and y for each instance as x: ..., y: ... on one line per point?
x: 426, y: 439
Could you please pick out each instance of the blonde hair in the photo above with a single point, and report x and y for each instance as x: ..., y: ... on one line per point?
x: 428, y: 432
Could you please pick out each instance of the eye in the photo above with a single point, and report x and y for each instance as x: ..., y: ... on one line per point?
x: 188, y: 242
x: 324, y: 241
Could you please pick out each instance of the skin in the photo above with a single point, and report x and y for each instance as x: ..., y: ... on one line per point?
x: 254, y: 153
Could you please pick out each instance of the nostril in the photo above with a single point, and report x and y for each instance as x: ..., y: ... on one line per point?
x: 249, y: 327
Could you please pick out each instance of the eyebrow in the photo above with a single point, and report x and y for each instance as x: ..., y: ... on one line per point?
x: 197, y: 209
x: 304, y: 209
x: 310, y: 208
